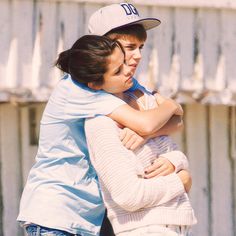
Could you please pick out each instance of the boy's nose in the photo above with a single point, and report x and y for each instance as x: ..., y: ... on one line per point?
x: 137, y: 54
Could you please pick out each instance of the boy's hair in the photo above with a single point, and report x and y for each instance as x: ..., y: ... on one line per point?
x: 132, y: 31
x: 87, y: 60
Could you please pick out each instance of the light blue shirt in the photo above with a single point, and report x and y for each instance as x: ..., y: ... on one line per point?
x: 62, y: 190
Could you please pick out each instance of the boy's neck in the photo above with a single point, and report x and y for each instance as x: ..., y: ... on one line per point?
x: 119, y: 95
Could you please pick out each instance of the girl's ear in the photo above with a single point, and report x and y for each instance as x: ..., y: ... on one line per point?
x: 94, y: 86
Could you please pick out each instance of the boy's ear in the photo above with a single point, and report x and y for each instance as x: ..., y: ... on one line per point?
x: 94, y: 86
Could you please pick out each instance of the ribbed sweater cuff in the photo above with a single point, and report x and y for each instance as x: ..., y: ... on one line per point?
x: 155, y: 215
x: 175, y: 184
x: 178, y: 159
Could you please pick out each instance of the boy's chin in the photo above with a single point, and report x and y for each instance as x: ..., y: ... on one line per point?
x: 133, y: 70
x: 130, y: 86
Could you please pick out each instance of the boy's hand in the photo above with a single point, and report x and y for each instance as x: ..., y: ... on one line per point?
x: 130, y: 139
x: 186, y: 179
x: 160, y: 167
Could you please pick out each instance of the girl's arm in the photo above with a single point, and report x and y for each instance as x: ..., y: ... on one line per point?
x: 174, y: 124
x: 146, y: 122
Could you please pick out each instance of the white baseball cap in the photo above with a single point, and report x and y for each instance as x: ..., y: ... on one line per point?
x: 116, y: 16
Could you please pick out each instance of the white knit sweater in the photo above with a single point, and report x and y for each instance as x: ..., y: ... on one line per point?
x: 132, y: 201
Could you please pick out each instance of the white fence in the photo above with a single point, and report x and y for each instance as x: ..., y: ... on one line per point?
x: 208, y: 139
x: 191, y: 57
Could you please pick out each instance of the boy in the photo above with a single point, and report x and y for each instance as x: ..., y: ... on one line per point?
x: 123, y: 22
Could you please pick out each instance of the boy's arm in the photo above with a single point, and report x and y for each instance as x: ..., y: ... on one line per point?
x: 117, y: 169
x: 161, y: 166
x: 166, y: 163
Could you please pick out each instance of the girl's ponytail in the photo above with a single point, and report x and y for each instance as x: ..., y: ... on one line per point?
x: 63, y: 61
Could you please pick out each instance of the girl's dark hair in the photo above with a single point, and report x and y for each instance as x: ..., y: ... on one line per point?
x: 134, y: 31
x: 87, y: 60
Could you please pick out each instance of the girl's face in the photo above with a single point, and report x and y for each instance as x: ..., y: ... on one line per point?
x: 132, y: 47
x: 118, y: 77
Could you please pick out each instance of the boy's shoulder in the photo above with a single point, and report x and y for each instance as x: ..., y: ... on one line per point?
x: 138, y: 86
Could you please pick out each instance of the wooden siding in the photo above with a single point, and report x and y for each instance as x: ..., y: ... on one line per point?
x: 190, y: 56
x: 208, y: 140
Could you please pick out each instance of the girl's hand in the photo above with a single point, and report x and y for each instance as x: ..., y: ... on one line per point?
x: 179, y: 110
x: 160, y: 167
x: 130, y: 139
x: 160, y: 99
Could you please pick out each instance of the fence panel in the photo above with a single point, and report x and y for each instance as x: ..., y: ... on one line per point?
x: 196, y: 137
x: 11, y: 175
x: 221, y: 175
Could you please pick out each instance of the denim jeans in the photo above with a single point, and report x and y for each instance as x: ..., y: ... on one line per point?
x: 36, y: 230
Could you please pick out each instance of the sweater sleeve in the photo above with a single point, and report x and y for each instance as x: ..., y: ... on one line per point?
x: 170, y: 150
x: 178, y: 159
x: 116, y: 168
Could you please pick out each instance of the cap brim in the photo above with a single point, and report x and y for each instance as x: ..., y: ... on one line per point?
x: 147, y: 23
